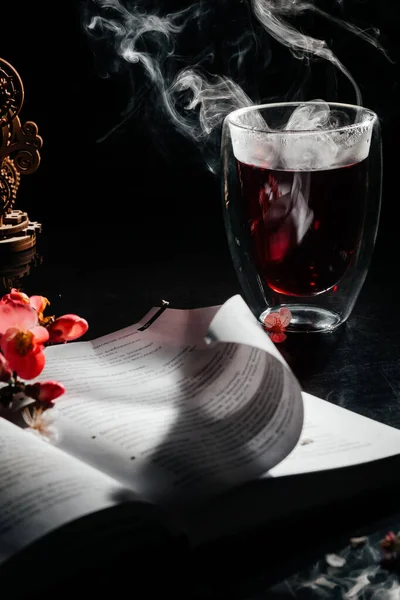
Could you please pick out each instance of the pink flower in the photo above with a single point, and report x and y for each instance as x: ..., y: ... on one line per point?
x: 276, y: 324
x: 67, y: 328
x: 5, y: 371
x: 39, y: 303
x: 15, y: 296
x: 45, y: 391
x: 22, y: 339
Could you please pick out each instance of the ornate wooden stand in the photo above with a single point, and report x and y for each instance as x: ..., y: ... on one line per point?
x: 19, y: 155
x: 17, y: 266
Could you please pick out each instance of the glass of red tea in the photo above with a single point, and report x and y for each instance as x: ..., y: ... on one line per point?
x: 301, y: 185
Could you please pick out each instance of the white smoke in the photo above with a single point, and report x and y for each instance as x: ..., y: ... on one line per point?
x: 271, y: 14
x: 315, y: 136
x: 194, y: 100
x: 358, y: 572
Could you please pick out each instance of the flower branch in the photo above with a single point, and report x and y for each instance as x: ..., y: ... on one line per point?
x: 25, y: 332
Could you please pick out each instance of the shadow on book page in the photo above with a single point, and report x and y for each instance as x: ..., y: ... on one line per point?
x: 176, y: 418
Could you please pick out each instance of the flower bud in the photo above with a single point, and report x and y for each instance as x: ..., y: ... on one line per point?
x: 67, y: 328
x: 45, y: 391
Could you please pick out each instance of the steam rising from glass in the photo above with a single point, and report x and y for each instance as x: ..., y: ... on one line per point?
x: 194, y: 100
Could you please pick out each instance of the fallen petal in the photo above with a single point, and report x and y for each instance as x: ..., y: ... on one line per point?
x: 285, y: 316
x: 272, y: 319
x: 277, y: 338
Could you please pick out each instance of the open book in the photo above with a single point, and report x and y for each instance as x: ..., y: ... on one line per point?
x: 189, y: 415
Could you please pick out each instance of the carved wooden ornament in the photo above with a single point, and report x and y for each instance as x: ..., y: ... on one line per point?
x: 19, y: 155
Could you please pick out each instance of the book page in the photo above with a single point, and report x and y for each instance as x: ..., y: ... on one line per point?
x: 339, y: 457
x: 173, y: 416
x: 334, y: 437
x: 43, y: 488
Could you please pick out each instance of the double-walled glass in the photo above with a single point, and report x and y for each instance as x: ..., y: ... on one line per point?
x: 301, y: 201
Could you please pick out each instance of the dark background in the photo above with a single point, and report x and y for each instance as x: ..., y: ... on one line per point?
x: 138, y: 216
x: 145, y: 191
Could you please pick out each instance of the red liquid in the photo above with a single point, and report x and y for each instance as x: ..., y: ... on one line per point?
x: 305, y: 226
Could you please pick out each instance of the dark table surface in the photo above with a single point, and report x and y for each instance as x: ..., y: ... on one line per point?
x: 110, y: 282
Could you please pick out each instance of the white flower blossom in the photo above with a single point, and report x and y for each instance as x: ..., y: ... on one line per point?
x: 41, y: 424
